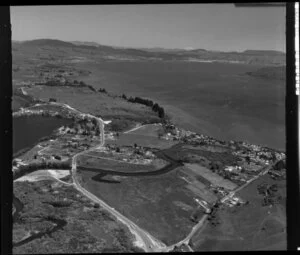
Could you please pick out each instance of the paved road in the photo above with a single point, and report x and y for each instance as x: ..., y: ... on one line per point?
x: 262, y: 172
x: 190, y: 235
x: 150, y: 244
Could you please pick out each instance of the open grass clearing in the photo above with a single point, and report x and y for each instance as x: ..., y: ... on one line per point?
x: 142, y: 140
x: 164, y: 197
x: 114, y: 165
x: 87, y: 101
x: 248, y: 227
x: 215, y: 179
x: 211, y: 148
x: 148, y: 130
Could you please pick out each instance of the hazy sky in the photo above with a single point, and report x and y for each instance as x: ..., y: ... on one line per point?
x: 208, y: 26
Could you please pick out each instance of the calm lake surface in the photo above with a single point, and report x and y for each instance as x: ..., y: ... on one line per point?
x: 215, y: 99
x: 27, y: 130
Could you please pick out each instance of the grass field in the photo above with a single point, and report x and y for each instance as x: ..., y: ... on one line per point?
x: 199, y: 186
x: 250, y: 227
x: 113, y: 165
x: 148, y: 130
x: 215, y: 179
x: 156, y: 163
x: 87, y: 101
x: 206, y: 148
x: 161, y: 204
x: 142, y: 140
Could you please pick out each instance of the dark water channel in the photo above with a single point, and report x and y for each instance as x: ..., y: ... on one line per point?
x: 27, y: 131
x: 59, y: 225
x: 19, y: 207
x: 161, y: 154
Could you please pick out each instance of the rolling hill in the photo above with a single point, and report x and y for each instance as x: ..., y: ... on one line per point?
x: 257, y: 57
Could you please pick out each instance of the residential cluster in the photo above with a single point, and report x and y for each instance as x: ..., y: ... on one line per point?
x: 233, y: 201
x: 84, y: 126
x: 136, y: 155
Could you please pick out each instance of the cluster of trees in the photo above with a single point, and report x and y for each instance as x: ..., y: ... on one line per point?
x: 160, y: 110
x: 155, y: 107
x: 271, y: 200
x: 86, y: 126
x: 265, y: 189
x: 213, y: 218
x: 83, y: 84
x: 215, y: 166
x: 52, y: 99
x: 119, y: 125
x: 101, y: 90
x: 69, y: 84
x: 53, y: 83
x: 59, y: 203
x: 140, y: 100
x: 270, y: 193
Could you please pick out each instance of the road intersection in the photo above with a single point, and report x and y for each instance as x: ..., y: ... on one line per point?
x: 144, y: 239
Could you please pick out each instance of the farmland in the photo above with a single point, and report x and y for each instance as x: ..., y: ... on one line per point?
x: 142, y: 140
x: 93, y: 103
x: 250, y: 227
x: 114, y: 165
x: 155, y: 194
x: 148, y: 130
x: 212, y: 177
x: 161, y: 183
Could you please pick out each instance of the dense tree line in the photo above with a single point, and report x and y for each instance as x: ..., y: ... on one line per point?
x: 67, y: 83
x: 51, y: 99
x: 155, y: 107
x: 101, y: 90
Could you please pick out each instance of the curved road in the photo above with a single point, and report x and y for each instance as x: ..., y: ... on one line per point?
x: 144, y: 239
x: 148, y: 242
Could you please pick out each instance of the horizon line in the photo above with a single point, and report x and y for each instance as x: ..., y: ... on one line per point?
x: 151, y: 47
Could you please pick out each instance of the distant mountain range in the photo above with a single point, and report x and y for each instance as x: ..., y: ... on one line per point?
x: 259, y: 57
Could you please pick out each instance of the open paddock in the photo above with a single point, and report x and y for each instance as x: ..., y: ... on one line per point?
x: 203, y: 193
x: 211, y: 148
x: 148, y: 130
x: 113, y: 165
x: 98, y: 104
x: 158, y: 203
x: 215, y: 179
x: 248, y: 227
x: 189, y: 172
x: 142, y: 140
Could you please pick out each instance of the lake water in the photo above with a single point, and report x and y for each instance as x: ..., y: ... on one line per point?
x: 27, y: 130
x: 215, y: 99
